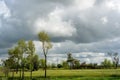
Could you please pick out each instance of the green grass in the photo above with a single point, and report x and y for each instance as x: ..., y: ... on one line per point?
x: 82, y: 74
x: 64, y: 78
x: 79, y: 73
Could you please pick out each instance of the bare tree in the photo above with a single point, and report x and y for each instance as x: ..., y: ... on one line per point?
x: 115, y: 58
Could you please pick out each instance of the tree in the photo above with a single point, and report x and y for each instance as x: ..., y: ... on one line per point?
x: 12, y: 59
x: 36, y: 63
x: 22, y: 55
x: 76, y: 63
x: 70, y: 60
x: 42, y: 63
x: 46, y: 45
x: 6, y: 68
x: 106, y: 63
x: 115, y: 59
x: 65, y: 64
x: 59, y: 66
x: 31, y: 51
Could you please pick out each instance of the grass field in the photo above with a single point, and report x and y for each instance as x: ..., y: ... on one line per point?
x: 77, y: 73
x: 88, y: 74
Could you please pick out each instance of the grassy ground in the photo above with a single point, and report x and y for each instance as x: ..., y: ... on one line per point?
x: 79, y: 73
x: 64, y: 78
x: 88, y: 74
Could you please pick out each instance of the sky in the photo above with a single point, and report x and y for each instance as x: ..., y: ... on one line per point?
x: 88, y: 29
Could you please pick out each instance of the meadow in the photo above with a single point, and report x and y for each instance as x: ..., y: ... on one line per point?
x: 82, y: 74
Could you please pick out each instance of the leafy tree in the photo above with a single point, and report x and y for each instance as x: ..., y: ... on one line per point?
x: 12, y: 60
x: 46, y: 45
x: 106, y: 63
x: 22, y: 55
x: 59, y: 65
x: 76, y: 63
x: 31, y: 51
x: 42, y: 63
x: 36, y: 63
x: 70, y: 60
x: 65, y: 64
x: 6, y: 67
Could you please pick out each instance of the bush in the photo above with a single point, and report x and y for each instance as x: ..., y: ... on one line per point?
x: 59, y: 66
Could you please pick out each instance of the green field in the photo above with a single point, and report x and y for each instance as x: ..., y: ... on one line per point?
x: 88, y: 74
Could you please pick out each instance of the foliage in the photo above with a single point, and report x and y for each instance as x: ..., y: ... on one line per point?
x: 31, y: 51
x: 70, y: 60
x: 65, y: 65
x: 42, y: 63
x: 106, y: 63
x: 59, y: 66
x: 73, y: 63
x: 22, y: 57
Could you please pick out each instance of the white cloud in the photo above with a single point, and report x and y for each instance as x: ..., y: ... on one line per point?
x: 84, y: 4
x: 113, y: 4
x: 104, y: 20
x: 4, y: 11
x: 91, y: 57
x: 54, y: 25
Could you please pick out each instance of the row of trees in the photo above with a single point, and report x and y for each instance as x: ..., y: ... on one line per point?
x: 22, y: 56
x: 73, y: 63
x: 106, y: 64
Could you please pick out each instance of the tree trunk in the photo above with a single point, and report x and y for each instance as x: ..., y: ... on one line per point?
x: 31, y: 67
x: 45, y: 66
x: 17, y: 68
x: 116, y: 66
x: 13, y: 73
x: 23, y: 72
x: 31, y: 74
x: 20, y: 73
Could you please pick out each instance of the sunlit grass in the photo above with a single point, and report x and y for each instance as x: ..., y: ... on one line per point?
x: 77, y: 73
x: 82, y: 74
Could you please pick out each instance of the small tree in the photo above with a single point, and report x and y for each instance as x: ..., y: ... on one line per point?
x: 59, y: 66
x: 42, y: 63
x: 22, y: 52
x: 76, y: 63
x: 12, y: 60
x: 115, y: 59
x: 36, y: 63
x: 70, y: 60
x: 106, y: 63
x: 46, y: 45
x: 65, y: 64
x: 6, y: 68
x: 31, y: 51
